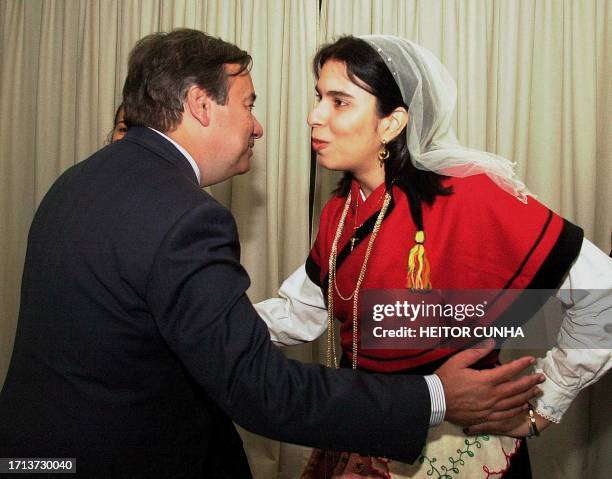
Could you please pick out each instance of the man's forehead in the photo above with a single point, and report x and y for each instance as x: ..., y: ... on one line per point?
x: 242, y: 83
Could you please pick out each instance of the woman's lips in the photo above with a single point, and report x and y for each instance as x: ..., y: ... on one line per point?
x: 318, y: 145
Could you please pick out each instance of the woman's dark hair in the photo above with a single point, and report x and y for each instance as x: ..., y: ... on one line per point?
x: 117, y: 112
x: 111, y: 133
x: 163, y: 66
x: 367, y: 69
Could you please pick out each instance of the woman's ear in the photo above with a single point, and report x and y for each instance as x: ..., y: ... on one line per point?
x: 393, y: 124
x: 198, y: 105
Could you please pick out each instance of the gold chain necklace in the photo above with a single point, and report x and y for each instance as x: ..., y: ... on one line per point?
x: 332, y: 359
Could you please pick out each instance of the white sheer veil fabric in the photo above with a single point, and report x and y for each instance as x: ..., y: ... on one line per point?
x: 430, y: 93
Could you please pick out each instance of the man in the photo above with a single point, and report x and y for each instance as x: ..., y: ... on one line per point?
x: 136, y: 342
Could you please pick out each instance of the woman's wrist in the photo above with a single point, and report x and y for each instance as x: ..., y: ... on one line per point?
x: 535, y: 423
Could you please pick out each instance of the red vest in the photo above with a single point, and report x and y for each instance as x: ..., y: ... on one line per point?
x: 479, y: 237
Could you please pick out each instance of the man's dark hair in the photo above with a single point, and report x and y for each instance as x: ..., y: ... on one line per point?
x: 367, y: 69
x: 163, y: 66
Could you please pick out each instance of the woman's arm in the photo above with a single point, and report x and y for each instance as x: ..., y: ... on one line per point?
x: 584, y: 344
x: 299, y: 315
x: 583, y: 353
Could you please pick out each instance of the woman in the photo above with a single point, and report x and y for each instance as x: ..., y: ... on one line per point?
x: 417, y: 210
x: 119, y: 128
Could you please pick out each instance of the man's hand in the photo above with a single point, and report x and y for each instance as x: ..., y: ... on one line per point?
x: 492, y: 395
x: 517, y: 426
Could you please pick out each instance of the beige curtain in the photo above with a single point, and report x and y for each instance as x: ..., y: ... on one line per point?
x: 534, y: 85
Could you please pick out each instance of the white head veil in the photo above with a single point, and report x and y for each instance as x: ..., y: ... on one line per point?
x: 430, y: 93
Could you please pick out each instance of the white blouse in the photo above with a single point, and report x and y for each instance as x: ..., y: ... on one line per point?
x: 299, y: 315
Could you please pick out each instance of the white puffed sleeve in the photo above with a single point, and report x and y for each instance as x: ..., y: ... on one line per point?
x: 584, y: 344
x: 299, y: 315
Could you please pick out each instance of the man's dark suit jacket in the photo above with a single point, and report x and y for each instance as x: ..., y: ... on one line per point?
x: 136, y: 342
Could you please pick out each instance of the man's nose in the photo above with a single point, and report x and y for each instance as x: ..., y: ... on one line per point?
x: 257, y: 130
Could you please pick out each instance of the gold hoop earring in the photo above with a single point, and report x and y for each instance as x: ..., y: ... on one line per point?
x: 383, y: 153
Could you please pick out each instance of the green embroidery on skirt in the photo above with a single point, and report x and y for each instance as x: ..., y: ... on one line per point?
x: 452, y: 467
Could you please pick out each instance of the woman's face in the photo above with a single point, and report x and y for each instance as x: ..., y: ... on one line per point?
x: 344, y: 123
x: 120, y: 129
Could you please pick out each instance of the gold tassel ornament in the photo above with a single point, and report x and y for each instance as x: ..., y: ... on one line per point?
x: 418, y: 265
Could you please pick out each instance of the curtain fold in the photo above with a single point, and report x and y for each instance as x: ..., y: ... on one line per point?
x: 20, y: 36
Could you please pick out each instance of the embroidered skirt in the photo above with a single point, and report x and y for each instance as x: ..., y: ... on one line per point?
x: 448, y: 454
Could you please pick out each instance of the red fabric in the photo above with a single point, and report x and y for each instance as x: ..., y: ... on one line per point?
x: 476, y: 238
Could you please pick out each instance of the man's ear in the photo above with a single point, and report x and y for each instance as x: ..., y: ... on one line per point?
x: 198, y: 104
x: 393, y: 124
